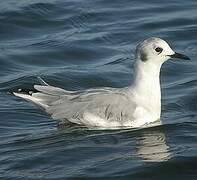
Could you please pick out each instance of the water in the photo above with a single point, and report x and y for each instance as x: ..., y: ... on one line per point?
x: 79, y: 44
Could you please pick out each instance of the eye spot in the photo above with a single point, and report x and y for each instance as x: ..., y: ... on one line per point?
x: 158, y: 49
x: 143, y: 57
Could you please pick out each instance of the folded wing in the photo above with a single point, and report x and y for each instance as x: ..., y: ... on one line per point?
x: 108, y: 104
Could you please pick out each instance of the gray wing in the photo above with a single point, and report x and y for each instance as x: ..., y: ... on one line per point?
x: 109, y: 104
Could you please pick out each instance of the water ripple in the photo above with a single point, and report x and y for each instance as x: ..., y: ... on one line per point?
x: 80, y: 44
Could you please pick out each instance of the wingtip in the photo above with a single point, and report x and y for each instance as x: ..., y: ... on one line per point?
x: 14, y: 93
x: 19, y: 94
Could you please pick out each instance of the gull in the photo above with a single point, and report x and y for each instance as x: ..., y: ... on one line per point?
x: 130, y: 107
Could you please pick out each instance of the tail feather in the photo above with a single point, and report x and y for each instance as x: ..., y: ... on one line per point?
x: 32, y: 99
x: 51, y: 90
x: 45, y: 96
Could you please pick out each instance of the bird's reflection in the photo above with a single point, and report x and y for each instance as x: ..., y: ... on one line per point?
x: 152, y: 146
x: 148, y: 144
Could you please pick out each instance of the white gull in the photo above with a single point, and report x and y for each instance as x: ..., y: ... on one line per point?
x: 133, y: 106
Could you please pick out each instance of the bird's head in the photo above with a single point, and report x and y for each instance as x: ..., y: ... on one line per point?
x: 157, y: 51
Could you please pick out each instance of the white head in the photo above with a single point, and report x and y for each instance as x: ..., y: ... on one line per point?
x: 150, y: 55
x: 157, y: 51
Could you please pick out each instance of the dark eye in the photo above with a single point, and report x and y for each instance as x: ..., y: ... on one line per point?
x: 158, y: 49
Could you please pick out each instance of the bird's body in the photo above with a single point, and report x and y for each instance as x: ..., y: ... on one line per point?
x: 132, y: 106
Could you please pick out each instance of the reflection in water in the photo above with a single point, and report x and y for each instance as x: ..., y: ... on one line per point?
x: 149, y: 143
x: 152, y: 147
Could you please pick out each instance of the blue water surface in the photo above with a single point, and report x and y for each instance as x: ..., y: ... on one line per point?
x: 80, y: 44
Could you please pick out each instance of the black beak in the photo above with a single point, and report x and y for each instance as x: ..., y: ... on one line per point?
x: 179, y: 56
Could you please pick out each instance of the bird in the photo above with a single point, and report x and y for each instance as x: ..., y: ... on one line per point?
x: 133, y: 106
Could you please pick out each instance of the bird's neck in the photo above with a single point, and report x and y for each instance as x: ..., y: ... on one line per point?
x: 146, y: 85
